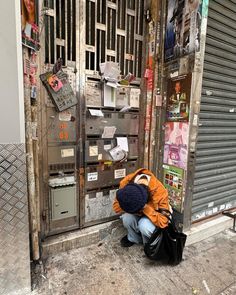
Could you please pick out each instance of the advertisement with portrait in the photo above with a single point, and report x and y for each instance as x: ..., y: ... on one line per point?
x: 29, y: 24
x: 176, y: 144
x: 173, y: 182
x: 178, y: 98
x: 182, y: 28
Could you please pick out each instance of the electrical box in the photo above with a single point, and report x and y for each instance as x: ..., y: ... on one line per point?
x: 63, y: 202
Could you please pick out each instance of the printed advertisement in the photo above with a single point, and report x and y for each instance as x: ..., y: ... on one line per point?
x: 173, y: 182
x: 178, y: 98
x: 29, y: 24
x: 182, y: 28
x: 176, y: 144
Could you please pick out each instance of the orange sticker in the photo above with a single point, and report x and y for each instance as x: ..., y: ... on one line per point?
x: 63, y: 125
x: 63, y: 135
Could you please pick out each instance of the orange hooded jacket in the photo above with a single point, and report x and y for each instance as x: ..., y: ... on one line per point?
x: 158, y: 198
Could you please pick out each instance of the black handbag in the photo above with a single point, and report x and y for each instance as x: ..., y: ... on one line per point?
x: 166, y: 244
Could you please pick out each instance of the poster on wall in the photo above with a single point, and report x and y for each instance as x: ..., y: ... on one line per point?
x: 176, y: 144
x: 29, y: 24
x: 182, y: 28
x: 178, y: 98
x: 173, y: 182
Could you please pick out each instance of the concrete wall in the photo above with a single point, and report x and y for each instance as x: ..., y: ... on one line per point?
x: 14, y: 228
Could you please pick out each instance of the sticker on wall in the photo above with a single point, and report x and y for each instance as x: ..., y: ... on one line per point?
x: 93, y: 176
x: 93, y: 151
x: 173, y: 182
x: 65, y: 116
x: 67, y: 153
x: 119, y: 173
x: 29, y: 24
x: 178, y: 98
x: 176, y: 144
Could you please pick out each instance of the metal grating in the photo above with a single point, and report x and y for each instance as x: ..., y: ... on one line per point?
x: 14, y: 230
x: 214, y: 184
x: 60, y: 31
x: 114, y: 32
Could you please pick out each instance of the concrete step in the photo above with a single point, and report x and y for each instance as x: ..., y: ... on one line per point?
x: 114, y: 230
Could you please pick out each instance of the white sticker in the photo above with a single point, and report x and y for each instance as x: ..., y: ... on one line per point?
x: 107, y: 147
x: 93, y: 176
x: 195, y: 120
x: 67, y: 153
x: 134, y: 97
x: 93, y: 150
x: 211, y: 204
x: 119, y: 173
x: 222, y: 207
x: 96, y: 113
x: 108, y: 132
x: 99, y: 157
x: 215, y: 209
x: 65, y: 116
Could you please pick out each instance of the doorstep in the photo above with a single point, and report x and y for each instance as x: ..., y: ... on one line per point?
x: 95, y: 234
x: 78, y: 238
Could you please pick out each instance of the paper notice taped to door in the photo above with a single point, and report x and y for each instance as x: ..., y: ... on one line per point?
x: 122, y: 142
x: 119, y: 173
x: 109, y: 132
x: 134, y: 97
x: 96, y: 113
x: 93, y: 176
x: 67, y: 153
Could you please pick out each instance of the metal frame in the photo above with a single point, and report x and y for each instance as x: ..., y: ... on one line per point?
x: 196, y: 89
x: 80, y: 75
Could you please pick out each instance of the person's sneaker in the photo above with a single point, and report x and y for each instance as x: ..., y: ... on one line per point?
x: 125, y: 242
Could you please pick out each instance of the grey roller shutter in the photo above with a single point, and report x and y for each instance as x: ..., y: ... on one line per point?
x: 215, y: 173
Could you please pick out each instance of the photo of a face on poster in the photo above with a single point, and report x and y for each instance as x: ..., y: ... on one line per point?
x: 176, y: 144
x: 178, y: 98
x: 29, y: 23
x: 182, y: 28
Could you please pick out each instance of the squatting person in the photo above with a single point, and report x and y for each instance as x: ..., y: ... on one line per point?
x: 139, y: 196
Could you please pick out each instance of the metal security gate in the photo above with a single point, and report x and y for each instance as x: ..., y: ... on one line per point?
x: 79, y: 178
x: 215, y: 170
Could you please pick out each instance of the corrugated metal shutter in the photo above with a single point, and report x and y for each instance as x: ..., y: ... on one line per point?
x: 215, y: 174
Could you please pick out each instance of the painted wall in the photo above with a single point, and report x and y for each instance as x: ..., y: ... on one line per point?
x: 11, y: 75
x: 14, y: 228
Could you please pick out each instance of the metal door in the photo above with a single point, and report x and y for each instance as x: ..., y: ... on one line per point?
x: 214, y: 183
x: 74, y: 154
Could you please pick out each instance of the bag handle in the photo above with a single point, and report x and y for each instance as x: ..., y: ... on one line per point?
x: 166, y: 213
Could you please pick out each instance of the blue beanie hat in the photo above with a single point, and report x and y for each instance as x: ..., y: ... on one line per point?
x: 132, y: 197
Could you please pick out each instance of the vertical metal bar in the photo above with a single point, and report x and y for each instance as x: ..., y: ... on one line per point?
x: 80, y: 61
x: 30, y: 174
x: 196, y: 89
